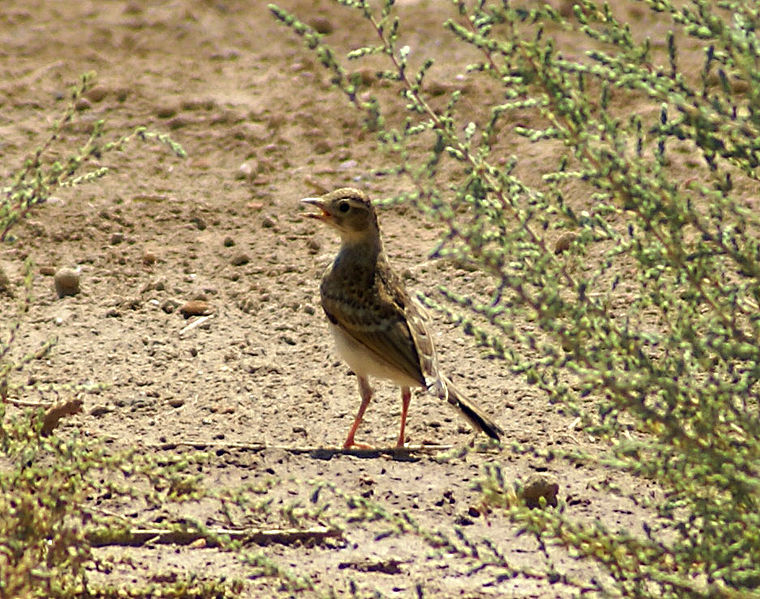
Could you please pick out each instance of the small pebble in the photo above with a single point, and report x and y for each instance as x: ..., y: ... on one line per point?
x: 314, y: 245
x: 48, y: 271
x: 96, y: 94
x: 322, y: 146
x: 66, y: 282
x: 566, y: 8
x: 117, y: 238
x: 228, y: 242
x: 246, y: 171
x: 564, y: 242
x: 539, y: 486
x: 199, y: 222
x: 166, y: 111
x: 121, y: 93
x: 240, y: 259
x: 82, y: 104
x: 5, y: 284
x: 195, y: 308
x: 321, y: 25
x: 267, y: 222
x: 100, y: 410
x: 178, y: 122
x: 170, y: 305
x: 367, y: 76
x: 149, y: 258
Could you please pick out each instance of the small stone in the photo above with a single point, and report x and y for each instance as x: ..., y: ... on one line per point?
x: 309, y: 309
x: 198, y: 221
x: 117, y: 238
x: 566, y: 8
x: 149, y: 258
x: 176, y: 402
x: 195, y: 308
x: 166, y: 111
x: 228, y: 242
x: 66, y: 282
x: 322, y: 146
x: 100, y: 410
x: 121, y: 93
x: 5, y: 284
x: 178, y: 122
x: 82, y: 104
x: 539, y: 486
x: 247, y: 171
x: 113, y: 313
x: 96, y: 94
x: 564, y: 242
x: 132, y: 303
x: 314, y: 245
x: 321, y: 25
x: 268, y: 222
x: 170, y: 305
x: 367, y: 76
x: 48, y: 271
x: 240, y: 259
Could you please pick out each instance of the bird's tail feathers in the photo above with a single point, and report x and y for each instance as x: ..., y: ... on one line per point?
x: 471, y: 411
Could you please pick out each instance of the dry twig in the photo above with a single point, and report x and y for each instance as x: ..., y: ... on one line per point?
x: 211, y: 537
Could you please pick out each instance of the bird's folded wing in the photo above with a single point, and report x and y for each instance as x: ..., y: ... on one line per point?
x: 387, y: 338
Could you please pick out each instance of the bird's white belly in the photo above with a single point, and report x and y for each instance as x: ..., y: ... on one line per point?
x: 365, y: 363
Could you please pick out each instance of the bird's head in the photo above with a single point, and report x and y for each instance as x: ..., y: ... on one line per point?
x: 349, y: 211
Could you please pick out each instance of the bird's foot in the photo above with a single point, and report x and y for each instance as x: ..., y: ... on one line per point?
x: 354, y: 445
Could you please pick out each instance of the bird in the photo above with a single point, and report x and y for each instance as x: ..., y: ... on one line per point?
x: 377, y: 328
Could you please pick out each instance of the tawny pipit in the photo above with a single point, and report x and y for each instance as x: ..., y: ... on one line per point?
x: 378, y: 330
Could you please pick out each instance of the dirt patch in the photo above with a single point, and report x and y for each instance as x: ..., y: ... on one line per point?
x: 223, y: 229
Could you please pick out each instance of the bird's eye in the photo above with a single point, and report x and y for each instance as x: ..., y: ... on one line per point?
x: 343, y: 207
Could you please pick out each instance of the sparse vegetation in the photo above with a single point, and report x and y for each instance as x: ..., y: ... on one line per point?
x: 620, y: 279
x: 625, y: 278
x: 46, y: 481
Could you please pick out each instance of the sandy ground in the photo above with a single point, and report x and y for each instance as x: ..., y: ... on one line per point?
x: 262, y: 128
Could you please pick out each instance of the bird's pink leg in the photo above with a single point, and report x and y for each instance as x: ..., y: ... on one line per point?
x: 366, y: 393
x: 406, y: 397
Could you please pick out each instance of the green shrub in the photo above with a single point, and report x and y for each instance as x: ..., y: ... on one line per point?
x: 625, y: 278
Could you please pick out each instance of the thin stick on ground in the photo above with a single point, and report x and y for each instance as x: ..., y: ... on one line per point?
x: 211, y: 537
x: 318, y: 452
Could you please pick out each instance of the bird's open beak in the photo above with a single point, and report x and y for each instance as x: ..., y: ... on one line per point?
x: 318, y: 203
